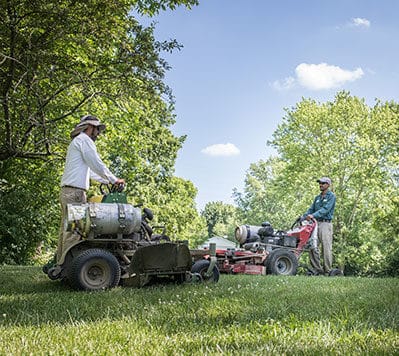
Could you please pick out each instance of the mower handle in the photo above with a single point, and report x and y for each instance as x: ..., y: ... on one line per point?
x: 112, y: 188
x: 300, y: 220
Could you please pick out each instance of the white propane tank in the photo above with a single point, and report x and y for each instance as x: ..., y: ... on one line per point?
x: 244, y: 232
x: 103, y: 218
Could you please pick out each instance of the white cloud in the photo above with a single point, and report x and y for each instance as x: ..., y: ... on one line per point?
x: 221, y: 149
x: 324, y: 76
x: 284, y: 84
x: 359, y: 22
x: 318, y: 77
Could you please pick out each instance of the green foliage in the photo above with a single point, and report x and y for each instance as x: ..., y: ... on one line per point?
x: 356, y: 146
x: 29, y: 210
x: 59, y: 61
x: 221, y: 219
x: 265, y: 196
x: 174, y: 207
x: 239, y: 315
x: 58, y: 57
x: 152, y: 7
x: 65, y: 58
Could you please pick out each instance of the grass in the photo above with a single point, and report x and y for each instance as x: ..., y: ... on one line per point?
x: 239, y: 315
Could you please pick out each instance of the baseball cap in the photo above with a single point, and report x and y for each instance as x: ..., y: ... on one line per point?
x: 324, y: 180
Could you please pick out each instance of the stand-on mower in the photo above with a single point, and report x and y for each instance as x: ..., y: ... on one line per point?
x: 115, y: 244
x: 264, y: 251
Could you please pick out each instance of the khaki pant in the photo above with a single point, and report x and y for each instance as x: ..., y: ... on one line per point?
x: 68, y: 195
x: 325, y: 239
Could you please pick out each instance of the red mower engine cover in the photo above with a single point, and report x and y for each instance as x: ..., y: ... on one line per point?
x: 302, y: 233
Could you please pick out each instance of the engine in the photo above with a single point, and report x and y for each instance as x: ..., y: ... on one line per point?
x: 250, y: 236
x: 250, y: 233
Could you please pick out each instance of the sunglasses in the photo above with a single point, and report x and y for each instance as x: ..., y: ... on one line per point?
x: 322, y: 183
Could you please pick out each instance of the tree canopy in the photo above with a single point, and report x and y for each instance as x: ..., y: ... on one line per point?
x: 63, y: 58
x: 220, y: 218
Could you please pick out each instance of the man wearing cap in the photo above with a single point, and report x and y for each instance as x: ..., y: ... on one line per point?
x: 322, y: 210
x: 82, y: 164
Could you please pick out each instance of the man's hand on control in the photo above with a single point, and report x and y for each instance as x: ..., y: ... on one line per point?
x: 120, y: 182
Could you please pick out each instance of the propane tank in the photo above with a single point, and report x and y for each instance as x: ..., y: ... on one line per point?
x: 247, y: 233
x: 103, y: 218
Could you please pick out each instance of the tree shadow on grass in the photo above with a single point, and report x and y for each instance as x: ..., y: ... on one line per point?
x: 28, y: 297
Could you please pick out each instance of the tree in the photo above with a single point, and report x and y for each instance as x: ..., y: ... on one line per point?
x: 29, y: 209
x: 220, y: 218
x: 266, y: 195
x: 58, y: 57
x: 356, y: 146
x: 175, y: 208
x: 59, y: 61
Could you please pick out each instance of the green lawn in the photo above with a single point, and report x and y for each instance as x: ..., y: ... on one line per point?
x: 239, y: 315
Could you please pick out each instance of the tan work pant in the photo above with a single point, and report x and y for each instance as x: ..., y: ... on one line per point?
x: 68, y: 195
x: 325, y: 239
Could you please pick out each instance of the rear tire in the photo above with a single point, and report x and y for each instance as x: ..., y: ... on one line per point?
x: 201, y: 267
x: 94, y: 269
x: 281, y: 262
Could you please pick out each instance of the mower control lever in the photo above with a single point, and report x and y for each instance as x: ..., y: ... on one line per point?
x: 117, y: 188
x: 112, y: 188
x: 300, y: 220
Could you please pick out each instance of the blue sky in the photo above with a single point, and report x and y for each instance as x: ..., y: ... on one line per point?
x: 244, y: 61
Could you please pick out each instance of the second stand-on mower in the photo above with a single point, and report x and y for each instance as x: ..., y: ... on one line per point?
x: 264, y: 251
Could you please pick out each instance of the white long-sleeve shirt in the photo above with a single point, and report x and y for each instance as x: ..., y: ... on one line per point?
x: 83, y: 163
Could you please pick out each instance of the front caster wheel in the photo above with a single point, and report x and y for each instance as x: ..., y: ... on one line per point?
x: 201, y: 267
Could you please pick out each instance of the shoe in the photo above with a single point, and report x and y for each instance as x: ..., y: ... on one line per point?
x: 314, y: 273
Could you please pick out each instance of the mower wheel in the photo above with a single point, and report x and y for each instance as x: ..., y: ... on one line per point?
x: 201, y: 267
x: 281, y: 262
x: 94, y: 269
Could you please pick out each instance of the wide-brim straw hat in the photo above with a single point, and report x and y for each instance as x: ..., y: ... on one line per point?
x: 85, y: 121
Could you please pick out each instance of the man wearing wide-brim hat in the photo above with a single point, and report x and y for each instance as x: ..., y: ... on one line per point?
x: 82, y: 164
x: 85, y: 122
x: 322, y: 210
